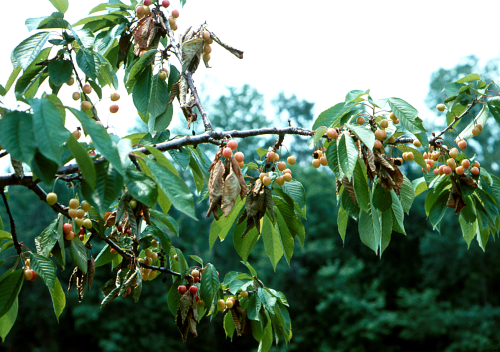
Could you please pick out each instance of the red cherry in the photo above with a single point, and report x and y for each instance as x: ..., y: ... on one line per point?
x: 233, y: 144
x: 67, y: 228
x: 34, y: 275
x: 239, y: 156
x: 165, y: 3
x: 193, y: 289
x: 227, y: 152
x: 112, y: 250
x: 196, y: 298
x: 182, y: 289
x: 119, y: 228
x: 197, y: 279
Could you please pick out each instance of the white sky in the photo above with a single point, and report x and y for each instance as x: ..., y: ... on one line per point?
x: 318, y: 51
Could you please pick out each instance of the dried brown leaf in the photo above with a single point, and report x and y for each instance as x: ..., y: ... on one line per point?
x: 235, y: 52
x: 91, y: 271
x: 241, y: 178
x: 110, y: 219
x: 72, y: 279
x: 236, y: 320
x: 231, y: 191
x: 142, y: 33
x: 215, y: 189
x: 81, y: 282
x: 174, y: 93
x: 348, y: 186
x: 455, y: 200
x: 186, y: 319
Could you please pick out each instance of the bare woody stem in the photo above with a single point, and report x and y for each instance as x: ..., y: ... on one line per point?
x: 17, y: 245
x: 433, y: 140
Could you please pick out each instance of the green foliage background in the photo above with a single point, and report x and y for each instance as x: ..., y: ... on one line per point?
x: 428, y: 292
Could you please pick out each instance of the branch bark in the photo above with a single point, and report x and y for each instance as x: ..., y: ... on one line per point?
x: 17, y: 245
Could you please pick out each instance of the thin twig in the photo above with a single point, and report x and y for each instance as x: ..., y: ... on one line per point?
x: 12, y: 224
x: 433, y: 140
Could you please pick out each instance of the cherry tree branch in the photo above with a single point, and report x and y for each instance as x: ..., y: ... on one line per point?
x: 17, y: 245
x: 433, y: 140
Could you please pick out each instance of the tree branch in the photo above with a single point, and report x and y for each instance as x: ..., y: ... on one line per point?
x: 17, y: 245
x: 433, y: 140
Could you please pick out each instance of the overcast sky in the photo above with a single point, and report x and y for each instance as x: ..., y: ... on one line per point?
x: 318, y: 50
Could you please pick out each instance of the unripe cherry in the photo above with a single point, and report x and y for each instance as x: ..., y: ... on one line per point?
x: 71, y: 81
x: 291, y: 160
x: 287, y: 171
x: 392, y: 116
x: 67, y: 228
x: 229, y: 304
x: 479, y: 127
x: 147, y: 11
x: 207, y: 49
x: 87, y: 89
x: 474, y: 171
x: 380, y: 134
x: 447, y: 170
x: 360, y: 120
x: 460, y: 170
x: 441, y: 107
x: 377, y: 144
x: 280, y: 180
x: 227, y: 152
x: 28, y: 274
x: 287, y: 177
x: 462, y: 144
x: 266, y: 180
x: 323, y: 161
x: 76, y: 96
x: 453, y: 153
x: 69, y: 236
x: 241, y: 164
x: 51, y: 198
x: 316, y: 163
x: 86, y: 206
x: 78, y: 222
x: 72, y: 213
x: 262, y: 175
x: 244, y: 294
x: 162, y: 75
x: 175, y: 14
x: 281, y: 166
x: 465, y: 163
x: 87, y: 223
x: 476, y: 163
x: 270, y: 156
x: 148, y: 2
x: 114, y: 109
x: 139, y: 11
x: 451, y: 163
x: 417, y: 143
x: 77, y: 134
x: 331, y: 133
x: 74, y: 203
x: 86, y: 105
x: 195, y: 273
x: 80, y: 213
x: 475, y: 132
x: 221, y: 304
x: 206, y: 57
x: 384, y: 124
x: 115, y: 96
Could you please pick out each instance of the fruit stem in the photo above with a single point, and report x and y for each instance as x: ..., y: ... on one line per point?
x: 17, y: 245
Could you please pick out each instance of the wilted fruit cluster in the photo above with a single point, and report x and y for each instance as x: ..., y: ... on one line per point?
x: 282, y: 175
x: 207, y: 49
x: 172, y: 20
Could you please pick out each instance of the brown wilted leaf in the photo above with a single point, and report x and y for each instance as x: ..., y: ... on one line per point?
x: 174, y: 93
x: 469, y: 181
x: 141, y: 33
x: 186, y: 319
x: 230, y: 192
x: 81, y: 282
x: 91, y: 271
x: 348, y: 186
x: 235, y: 52
x: 110, y: 219
x: 191, y: 50
x: 255, y: 207
x: 241, y: 178
x: 123, y: 45
x: 236, y: 320
x: 216, y: 159
x: 384, y: 162
x: 72, y: 279
x: 17, y: 166
x: 215, y: 189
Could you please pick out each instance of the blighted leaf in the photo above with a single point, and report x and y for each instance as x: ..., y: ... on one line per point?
x: 191, y: 49
x: 215, y: 188
x: 235, y: 52
x: 255, y: 207
x: 91, y: 271
x: 231, y: 190
x: 241, y: 178
x: 186, y: 318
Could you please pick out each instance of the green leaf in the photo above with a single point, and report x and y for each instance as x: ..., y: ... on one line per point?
x: 407, y: 114
x: 16, y: 135
x: 55, y: 20
x: 318, y: 134
x: 141, y: 187
x: 84, y: 161
x: 159, y: 97
x: 267, y: 299
x: 272, y: 242
x: 78, y: 254
x: 296, y: 191
x: 245, y: 244
x: 27, y: 85
x: 60, y: 5
x: 47, y: 239
x: 161, y: 236
x: 45, y: 268
x: 386, y: 229
x: 331, y: 116
x: 105, y: 256
x: 494, y: 107
x: 8, y: 319
x: 10, y: 285
x: 137, y: 69
x: 407, y: 194
x: 142, y: 91
x: 254, y: 306
x: 229, y: 325
x: 27, y: 51
x: 480, y: 119
x: 398, y: 211
x: 209, y: 285
x: 60, y: 71
x: 347, y: 154
x: 333, y: 160
x: 361, y: 188
x: 58, y: 298
x: 221, y: 227
x: 103, y: 142
x: 86, y: 61
x: 468, y: 230
x: 267, y: 341
x: 160, y: 123
x: 174, y: 296
x: 419, y: 186
x: 364, y: 134
x: 183, y: 265
x: 196, y: 259
x: 48, y: 127
x: 181, y: 157
x: 381, y: 199
x: 469, y: 77
x: 369, y: 229
x: 166, y: 219
x: 108, y: 185
x: 342, y: 218
x: 285, y: 236
x: 174, y: 187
